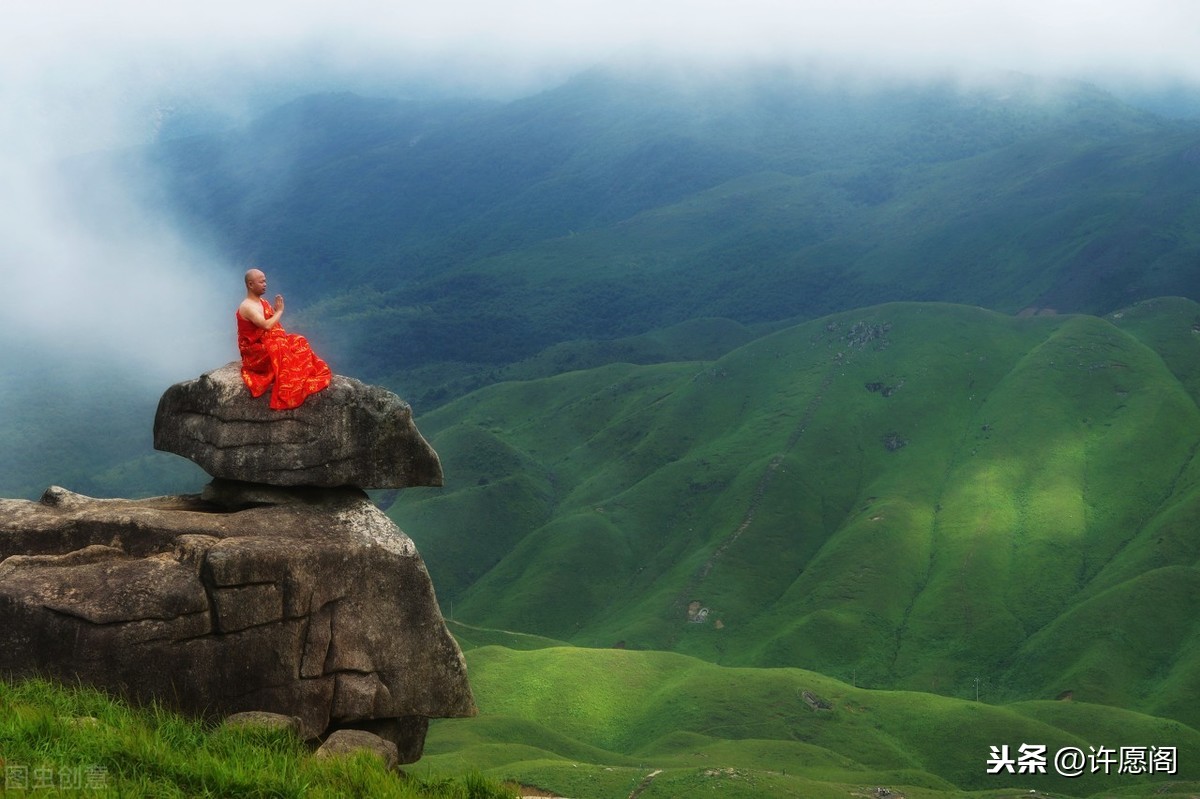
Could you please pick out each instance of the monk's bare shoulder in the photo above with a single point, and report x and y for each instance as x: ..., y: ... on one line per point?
x: 250, y: 310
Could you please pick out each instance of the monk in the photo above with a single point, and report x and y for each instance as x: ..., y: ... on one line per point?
x: 271, y: 357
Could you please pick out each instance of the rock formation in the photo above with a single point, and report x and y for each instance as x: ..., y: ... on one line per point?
x: 348, y: 742
x: 319, y: 608
x: 259, y: 594
x: 349, y: 434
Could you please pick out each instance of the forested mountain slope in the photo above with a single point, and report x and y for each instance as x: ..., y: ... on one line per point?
x: 435, y: 241
x: 437, y: 246
x: 909, y: 495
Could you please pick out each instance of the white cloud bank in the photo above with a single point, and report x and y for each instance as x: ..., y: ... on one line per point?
x: 1147, y: 35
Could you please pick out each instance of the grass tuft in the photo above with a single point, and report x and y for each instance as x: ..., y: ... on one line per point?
x: 70, y: 741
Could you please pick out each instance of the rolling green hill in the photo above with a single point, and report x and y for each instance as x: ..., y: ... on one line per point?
x: 599, y: 723
x: 918, y: 496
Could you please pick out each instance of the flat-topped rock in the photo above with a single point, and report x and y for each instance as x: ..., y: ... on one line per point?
x: 350, y: 434
x: 316, y: 607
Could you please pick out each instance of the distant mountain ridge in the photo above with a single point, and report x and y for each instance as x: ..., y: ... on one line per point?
x: 618, y: 203
x: 435, y: 246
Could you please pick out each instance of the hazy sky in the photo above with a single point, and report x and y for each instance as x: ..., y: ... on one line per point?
x: 85, y: 74
x: 84, y: 57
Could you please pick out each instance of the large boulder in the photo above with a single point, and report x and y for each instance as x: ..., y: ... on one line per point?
x: 350, y: 434
x: 315, y: 606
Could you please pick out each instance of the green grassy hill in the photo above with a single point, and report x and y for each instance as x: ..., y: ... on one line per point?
x: 60, y: 741
x: 605, y: 723
x: 913, y: 496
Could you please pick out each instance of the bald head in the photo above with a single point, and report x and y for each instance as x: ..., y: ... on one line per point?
x: 256, y: 283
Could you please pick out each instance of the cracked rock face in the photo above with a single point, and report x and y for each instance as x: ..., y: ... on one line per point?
x: 350, y: 434
x: 317, y: 607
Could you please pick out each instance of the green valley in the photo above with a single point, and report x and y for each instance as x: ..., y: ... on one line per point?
x: 911, y: 496
x: 593, y: 723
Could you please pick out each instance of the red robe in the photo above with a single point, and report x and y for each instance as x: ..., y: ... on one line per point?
x: 280, y: 361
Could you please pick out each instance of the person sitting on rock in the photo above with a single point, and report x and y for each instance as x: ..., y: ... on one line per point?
x: 271, y: 357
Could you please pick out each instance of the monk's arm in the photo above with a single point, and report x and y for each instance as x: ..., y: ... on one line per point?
x: 253, y: 312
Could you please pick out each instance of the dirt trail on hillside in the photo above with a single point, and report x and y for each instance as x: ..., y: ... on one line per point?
x: 530, y: 792
x: 760, y: 490
x: 645, y: 783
